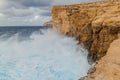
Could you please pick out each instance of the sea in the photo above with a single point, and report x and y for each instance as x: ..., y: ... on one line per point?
x: 40, y: 53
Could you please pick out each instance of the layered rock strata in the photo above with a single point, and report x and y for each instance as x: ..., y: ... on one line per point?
x: 95, y: 24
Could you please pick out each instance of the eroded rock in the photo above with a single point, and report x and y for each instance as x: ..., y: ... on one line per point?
x: 48, y: 24
x: 95, y: 25
x: 108, y: 68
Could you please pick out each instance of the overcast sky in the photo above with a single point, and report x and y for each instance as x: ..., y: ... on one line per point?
x: 29, y: 12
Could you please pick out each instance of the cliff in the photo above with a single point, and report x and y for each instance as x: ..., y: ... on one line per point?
x: 49, y: 24
x: 108, y: 68
x: 95, y: 24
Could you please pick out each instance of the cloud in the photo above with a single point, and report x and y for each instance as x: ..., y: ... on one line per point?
x: 13, y: 12
x: 35, y: 18
x: 46, y: 13
x: 2, y: 15
x: 67, y: 2
x: 31, y: 3
x: 3, y: 4
x: 30, y: 12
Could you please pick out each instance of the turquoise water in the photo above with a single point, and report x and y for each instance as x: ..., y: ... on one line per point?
x: 45, y: 55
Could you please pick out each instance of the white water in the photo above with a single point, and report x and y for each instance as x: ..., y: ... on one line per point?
x: 44, y: 57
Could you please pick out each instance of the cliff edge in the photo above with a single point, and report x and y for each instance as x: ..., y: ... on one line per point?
x: 95, y: 24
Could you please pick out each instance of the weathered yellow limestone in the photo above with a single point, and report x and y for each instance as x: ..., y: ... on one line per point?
x: 108, y: 68
x: 95, y: 24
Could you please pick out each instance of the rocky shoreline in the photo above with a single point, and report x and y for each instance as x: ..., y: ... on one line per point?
x: 96, y: 25
x: 108, y: 68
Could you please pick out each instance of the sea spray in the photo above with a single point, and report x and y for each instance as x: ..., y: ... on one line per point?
x: 46, y: 55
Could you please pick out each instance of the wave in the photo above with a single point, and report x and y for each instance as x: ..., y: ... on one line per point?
x: 46, y: 56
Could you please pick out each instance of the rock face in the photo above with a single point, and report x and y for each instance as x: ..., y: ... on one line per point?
x: 49, y: 24
x: 95, y: 25
x: 108, y: 68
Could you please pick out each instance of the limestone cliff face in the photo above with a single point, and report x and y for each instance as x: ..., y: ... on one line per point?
x: 108, y: 68
x: 95, y: 25
x: 48, y: 24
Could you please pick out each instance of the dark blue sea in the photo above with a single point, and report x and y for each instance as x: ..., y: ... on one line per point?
x: 23, y: 31
x: 40, y: 53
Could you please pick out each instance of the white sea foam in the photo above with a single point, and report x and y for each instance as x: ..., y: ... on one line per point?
x: 47, y: 56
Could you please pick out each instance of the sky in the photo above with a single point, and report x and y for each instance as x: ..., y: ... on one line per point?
x: 30, y: 12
